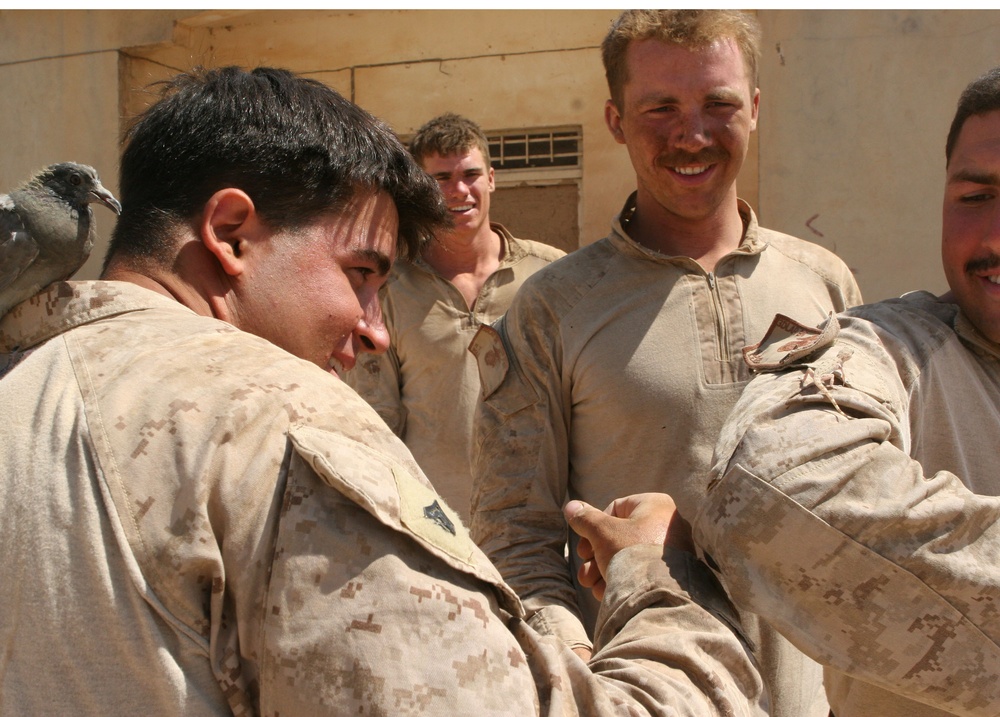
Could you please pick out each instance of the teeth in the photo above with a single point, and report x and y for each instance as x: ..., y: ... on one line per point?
x: 995, y: 278
x: 335, y: 366
x: 461, y: 208
x: 690, y: 170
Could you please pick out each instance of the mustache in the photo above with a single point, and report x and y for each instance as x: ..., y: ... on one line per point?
x: 983, y: 263
x: 681, y: 158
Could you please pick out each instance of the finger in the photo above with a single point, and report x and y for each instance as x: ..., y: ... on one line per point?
x: 589, y: 574
x: 584, y: 549
x: 581, y: 517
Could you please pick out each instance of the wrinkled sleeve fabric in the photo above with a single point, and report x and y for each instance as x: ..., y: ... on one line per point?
x: 372, y: 607
x: 666, y: 644
x: 821, y: 522
x: 520, y: 471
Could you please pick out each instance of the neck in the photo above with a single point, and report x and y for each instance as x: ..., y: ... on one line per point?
x: 190, y: 281
x: 452, y: 254
x: 705, y: 239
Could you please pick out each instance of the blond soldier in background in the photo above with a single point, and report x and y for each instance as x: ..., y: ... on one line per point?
x: 426, y: 385
x: 200, y: 518
x: 870, y: 446
x: 621, y: 361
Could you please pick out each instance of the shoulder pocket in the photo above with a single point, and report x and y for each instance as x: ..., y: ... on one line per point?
x: 395, y: 497
x: 787, y: 342
x: 498, y: 369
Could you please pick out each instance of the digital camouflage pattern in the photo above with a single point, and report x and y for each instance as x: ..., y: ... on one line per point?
x: 426, y: 385
x: 860, y: 515
x: 624, y: 364
x: 198, y: 523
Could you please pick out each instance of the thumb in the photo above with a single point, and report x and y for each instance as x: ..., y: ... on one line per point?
x: 583, y: 518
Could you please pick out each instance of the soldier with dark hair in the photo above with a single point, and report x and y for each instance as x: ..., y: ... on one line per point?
x: 200, y: 518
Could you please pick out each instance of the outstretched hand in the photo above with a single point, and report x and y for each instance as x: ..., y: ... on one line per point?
x: 644, y: 518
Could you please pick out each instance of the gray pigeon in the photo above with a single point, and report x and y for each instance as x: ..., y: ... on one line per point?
x: 47, y: 229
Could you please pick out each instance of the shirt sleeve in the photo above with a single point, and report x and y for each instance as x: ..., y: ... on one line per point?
x: 667, y: 643
x: 520, y: 470
x: 821, y: 522
x: 851, y: 291
x: 376, y: 378
x: 374, y: 603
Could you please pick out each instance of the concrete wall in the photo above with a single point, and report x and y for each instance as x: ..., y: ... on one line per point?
x: 857, y: 108
x: 854, y: 104
x: 59, y: 71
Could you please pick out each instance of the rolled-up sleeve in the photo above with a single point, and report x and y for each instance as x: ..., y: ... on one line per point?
x: 821, y: 522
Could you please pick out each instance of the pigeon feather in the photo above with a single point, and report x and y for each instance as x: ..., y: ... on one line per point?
x: 47, y: 229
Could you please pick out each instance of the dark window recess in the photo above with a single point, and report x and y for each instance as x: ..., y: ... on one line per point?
x: 535, y: 149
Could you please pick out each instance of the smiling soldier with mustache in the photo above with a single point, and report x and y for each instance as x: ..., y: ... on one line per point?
x: 624, y: 358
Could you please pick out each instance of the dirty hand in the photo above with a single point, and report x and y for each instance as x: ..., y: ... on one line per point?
x: 645, y: 518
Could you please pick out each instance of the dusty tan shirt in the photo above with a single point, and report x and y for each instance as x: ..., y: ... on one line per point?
x: 623, y: 366
x: 198, y: 523
x: 878, y: 551
x: 426, y: 385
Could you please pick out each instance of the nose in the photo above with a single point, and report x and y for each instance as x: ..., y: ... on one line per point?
x: 455, y: 189
x: 691, y: 132
x: 371, y: 333
x: 992, y: 234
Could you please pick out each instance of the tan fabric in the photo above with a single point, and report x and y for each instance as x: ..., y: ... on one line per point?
x: 624, y: 365
x: 197, y: 523
x: 877, y: 551
x: 426, y: 385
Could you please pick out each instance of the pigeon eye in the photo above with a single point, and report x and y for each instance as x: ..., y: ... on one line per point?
x: 75, y: 179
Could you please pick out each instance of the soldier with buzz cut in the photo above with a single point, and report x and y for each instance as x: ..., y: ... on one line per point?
x: 199, y: 518
x: 623, y: 360
x: 426, y: 384
x: 870, y: 445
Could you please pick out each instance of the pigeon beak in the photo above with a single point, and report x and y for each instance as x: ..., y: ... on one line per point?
x: 107, y: 199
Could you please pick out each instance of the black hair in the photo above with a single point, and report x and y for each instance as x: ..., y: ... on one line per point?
x: 294, y: 145
x: 982, y: 95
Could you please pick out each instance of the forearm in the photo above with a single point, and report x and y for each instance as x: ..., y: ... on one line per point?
x: 528, y: 549
x: 658, y: 651
x: 825, y: 528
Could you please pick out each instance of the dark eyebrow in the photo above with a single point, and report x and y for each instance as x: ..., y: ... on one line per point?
x: 381, y: 261
x: 975, y: 177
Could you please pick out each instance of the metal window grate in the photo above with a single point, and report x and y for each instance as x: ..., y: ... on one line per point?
x: 535, y: 149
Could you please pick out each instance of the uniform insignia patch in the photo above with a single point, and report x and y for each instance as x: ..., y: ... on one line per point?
x: 436, y: 513
x: 787, y: 341
x: 491, y: 357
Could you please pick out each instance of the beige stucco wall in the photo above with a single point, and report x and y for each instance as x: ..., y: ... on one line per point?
x: 854, y: 108
x: 59, y: 75
x: 852, y: 146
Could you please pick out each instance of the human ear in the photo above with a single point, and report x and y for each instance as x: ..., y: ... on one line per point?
x: 613, y: 118
x: 228, y: 223
x: 755, y: 109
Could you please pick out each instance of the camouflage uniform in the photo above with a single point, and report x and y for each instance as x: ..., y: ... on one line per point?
x: 855, y: 505
x: 198, y: 523
x: 624, y: 364
x: 426, y: 385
